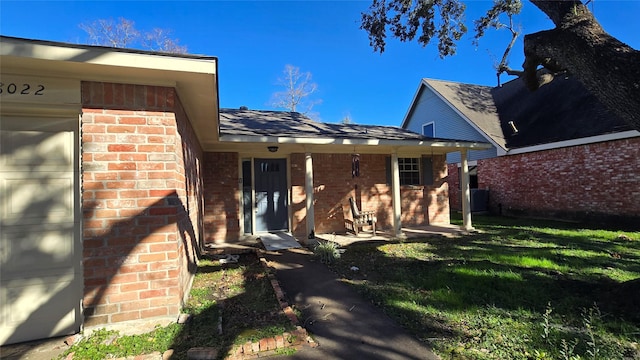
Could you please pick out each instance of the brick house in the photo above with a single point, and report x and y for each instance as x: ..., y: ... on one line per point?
x: 556, y: 152
x: 117, y: 166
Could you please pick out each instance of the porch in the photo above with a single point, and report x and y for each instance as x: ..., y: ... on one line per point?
x: 346, y: 239
x: 251, y: 243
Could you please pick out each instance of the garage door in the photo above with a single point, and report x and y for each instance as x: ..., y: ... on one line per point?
x: 40, y: 249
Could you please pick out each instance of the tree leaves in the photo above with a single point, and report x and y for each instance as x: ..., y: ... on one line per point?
x: 405, y: 19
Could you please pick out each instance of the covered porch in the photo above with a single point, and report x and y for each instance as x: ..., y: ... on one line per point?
x: 398, y: 174
x: 253, y: 243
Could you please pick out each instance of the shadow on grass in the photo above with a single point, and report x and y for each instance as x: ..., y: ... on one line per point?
x: 230, y: 304
x: 503, y: 274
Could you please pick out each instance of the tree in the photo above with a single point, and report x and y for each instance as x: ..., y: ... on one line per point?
x: 347, y: 119
x: 123, y: 34
x: 578, y: 44
x: 297, y: 89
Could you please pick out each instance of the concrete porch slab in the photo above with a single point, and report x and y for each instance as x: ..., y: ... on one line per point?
x: 346, y: 239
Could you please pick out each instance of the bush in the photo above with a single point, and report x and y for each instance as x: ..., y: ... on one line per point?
x: 327, y: 251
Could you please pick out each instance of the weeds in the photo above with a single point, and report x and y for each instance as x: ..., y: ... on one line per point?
x: 588, y: 319
x: 567, y: 348
x: 546, y: 324
x: 237, y: 297
x: 327, y: 251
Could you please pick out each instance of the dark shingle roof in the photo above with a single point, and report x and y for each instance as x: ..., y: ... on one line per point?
x: 558, y: 111
x: 235, y: 122
x: 561, y: 110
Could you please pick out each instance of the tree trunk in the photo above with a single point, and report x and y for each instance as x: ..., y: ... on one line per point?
x: 607, y: 67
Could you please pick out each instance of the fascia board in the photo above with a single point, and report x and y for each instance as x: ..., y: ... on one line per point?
x: 353, y: 142
x: 413, y: 104
x: 107, y: 56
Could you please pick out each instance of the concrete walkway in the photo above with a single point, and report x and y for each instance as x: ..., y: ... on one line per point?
x: 345, y: 325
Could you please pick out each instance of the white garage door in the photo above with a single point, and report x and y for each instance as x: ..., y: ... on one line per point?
x: 40, y: 249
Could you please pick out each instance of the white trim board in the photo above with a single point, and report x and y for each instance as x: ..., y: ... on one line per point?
x: 575, y: 142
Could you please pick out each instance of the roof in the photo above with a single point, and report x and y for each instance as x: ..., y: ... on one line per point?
x: 264, y: 126
x: 558, y: 111
x: 193, y: 76
x: 293, y: 124
x: 475, y: 102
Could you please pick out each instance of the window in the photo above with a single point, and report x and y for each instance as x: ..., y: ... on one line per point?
x: 409, y: 171
x: 429, y: 130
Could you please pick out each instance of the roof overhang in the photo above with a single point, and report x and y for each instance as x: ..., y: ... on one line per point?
x: 193, y: 77
x: 345, y: 145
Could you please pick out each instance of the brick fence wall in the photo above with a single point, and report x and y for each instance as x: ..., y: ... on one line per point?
x: 141, y: 185
x: 598, y: 181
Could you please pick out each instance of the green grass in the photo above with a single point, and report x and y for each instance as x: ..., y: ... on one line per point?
x: 239, y: 296
x: 519, y: 289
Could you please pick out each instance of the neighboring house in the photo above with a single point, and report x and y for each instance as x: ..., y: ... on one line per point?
x: 556, y: 152
x: 117, y: 166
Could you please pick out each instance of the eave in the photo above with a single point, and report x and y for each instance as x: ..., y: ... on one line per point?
x: 289, y: 145
x: 193, y: 77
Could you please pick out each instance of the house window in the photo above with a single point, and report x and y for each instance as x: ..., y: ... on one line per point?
x: 409, y: 171
x: 429, y: 130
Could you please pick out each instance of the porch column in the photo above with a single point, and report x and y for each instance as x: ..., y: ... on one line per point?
x: 466, y: 193
x: 395, y: 193
x: 308, y: 189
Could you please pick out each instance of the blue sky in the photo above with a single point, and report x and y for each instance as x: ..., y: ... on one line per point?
x: 254, y: 40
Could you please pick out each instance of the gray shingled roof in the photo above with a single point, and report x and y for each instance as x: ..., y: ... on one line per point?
x: 475, y: 102
x: 558, y: 111
x: 234, y: 122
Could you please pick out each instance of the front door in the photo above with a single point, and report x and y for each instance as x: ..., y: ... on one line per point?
x: 272, y: 205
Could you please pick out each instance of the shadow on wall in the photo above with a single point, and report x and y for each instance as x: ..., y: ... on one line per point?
x: 121, y: 262
x: 141, y: 248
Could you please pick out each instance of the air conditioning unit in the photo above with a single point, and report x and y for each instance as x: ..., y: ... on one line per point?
x: 479, y: 200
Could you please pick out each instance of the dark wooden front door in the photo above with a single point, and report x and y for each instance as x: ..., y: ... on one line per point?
x: 271, y: 195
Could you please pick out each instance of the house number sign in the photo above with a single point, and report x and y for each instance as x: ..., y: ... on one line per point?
x: 22, y: 89
x: 35, y: 89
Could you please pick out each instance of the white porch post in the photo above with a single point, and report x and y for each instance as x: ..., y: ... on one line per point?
x: 466, y: 192
x: 308, y: 189
x: 395, y: 193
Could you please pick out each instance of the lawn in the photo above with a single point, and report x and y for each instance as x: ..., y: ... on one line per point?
x: 519, y: 289
x: 229, y: 304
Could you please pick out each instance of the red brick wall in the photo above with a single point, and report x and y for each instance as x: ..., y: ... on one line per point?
x: 594, y: 181
x: 298, y: 202
x: 190, y: 189
x: 438, y: 193
x: 141, y: 191
x: 453, y: 181
x: 221, y: 197
x: 334, y: 184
